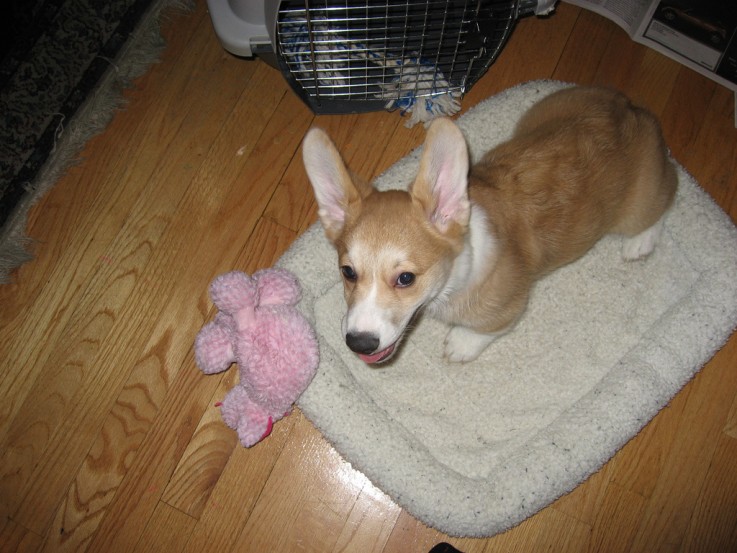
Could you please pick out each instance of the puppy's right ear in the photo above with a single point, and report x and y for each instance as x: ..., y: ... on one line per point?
x: 441, y: 186
x: 337, y: 197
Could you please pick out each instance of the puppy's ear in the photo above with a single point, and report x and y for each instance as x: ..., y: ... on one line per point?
x: 441, y: 186
x: 337, y: 197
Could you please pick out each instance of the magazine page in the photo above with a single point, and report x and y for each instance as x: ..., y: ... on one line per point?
x: 628, y: 14
x: 697, y: 33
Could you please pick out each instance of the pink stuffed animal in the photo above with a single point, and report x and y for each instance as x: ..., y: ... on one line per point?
x: 259, y: 328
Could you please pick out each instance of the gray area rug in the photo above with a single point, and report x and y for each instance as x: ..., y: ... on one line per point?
x: 61, y: 79
x: 474, y: 449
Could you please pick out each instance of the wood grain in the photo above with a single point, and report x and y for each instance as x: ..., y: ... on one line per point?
x: 109, y: 435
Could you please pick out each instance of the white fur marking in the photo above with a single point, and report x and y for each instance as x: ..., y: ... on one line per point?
x: 366, y: 315
x: 463, y: 345
x: 643, y: 244
x: 472, y: 263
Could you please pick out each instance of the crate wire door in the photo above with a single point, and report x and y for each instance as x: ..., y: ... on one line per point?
x: 354, y: 56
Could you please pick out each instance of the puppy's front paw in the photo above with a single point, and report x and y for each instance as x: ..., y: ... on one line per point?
x: 463, y: 345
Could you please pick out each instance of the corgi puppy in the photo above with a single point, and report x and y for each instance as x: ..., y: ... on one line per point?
x: 467, y: 244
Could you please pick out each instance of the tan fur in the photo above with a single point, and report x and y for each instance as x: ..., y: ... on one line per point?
x: 582, y: 163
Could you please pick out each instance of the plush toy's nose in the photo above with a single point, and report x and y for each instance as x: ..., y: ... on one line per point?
x: 362, y: 342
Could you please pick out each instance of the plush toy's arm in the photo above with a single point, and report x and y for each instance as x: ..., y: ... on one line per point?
x: 277, y: 287
x: 213, y: 348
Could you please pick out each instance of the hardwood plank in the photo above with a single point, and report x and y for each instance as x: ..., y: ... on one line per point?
x: 204, y: 460
x: 13, y: 537
x: 617, y: 521
x: 168, y: 530
x: 654, y: 81
x: 716, y: 508
x: 138, y: 494
x: 730, y: 428
x: 669, y: 509
x: 269, y: 161
x: 411, y: 536
x: 369, y: 523
x: 683, y: 118
x: 580, y: 60
x: 585, y: 501
x: 306, y: 500
x: 641, y: 464
x: 549, y: 530
x: 238, y: 489
x: 621, y: 61
x: 94, y: 486
x: 711, y: 160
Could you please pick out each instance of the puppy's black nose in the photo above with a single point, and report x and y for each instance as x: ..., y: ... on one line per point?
x: 362, y: 342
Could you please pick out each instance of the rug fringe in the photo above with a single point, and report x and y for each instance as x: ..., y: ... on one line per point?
x: 141, y: 51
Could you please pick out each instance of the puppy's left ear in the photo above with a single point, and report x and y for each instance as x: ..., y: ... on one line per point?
x: 337, y: 196
x: 441, y: 185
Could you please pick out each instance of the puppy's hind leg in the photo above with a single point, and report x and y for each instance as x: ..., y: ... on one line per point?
x: 651, y: 195
x: 641, y: 245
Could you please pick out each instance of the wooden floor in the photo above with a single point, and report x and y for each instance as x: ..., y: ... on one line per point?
x: 109, y: 438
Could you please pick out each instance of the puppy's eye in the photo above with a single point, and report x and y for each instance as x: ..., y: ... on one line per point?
x: 348, y: 273
x: 405, y: 279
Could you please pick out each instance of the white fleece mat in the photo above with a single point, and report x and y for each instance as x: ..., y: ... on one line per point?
x: 475, y: 449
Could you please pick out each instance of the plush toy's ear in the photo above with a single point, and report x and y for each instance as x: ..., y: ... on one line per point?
x: 441, y: 186
x: 337, y: 196
x: 277, y: 287
x: 233, y: 291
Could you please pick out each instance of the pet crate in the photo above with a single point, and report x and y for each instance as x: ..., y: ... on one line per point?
x: 344, y: 56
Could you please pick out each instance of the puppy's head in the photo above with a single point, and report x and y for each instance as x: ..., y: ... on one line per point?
x: 395, y: 248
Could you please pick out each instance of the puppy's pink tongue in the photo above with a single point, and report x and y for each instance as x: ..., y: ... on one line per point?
x: 377, y: 357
